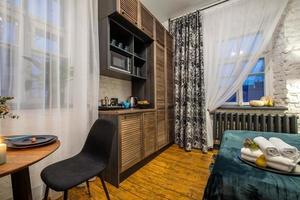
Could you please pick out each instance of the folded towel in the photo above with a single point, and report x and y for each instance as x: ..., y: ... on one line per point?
x: 285, y: 149
x: 248, y: 152
x: 286, y: 168
x: 266, y: 146
x: 271, y: 164
x: 248, y: 158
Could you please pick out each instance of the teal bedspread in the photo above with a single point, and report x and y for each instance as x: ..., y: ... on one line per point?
x: 231, y: 179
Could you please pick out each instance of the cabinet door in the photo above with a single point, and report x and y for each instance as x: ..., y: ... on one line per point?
x: 160, y: 77
x: 147, y: 21
x: 129, y: 9
x: 170, y: 78
x: 149, y: 126
x: 162, y: 138
x: 171, y: 124
x: 131, y: 140
x: 160, y: 33
x: 169, y: 41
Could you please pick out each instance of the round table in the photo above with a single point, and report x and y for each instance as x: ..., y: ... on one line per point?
x: 17, y: 165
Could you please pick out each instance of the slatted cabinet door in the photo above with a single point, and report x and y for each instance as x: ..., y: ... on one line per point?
x: 129, y: 9
x: 149, y: 136
x: 162, y: 137
x: 160, y: 77
x: 160, y: 33
x: 169, y: 41
x: 147, y: 21
x: 170, y: 79
x: 131, y: 140
x: 171, y: 125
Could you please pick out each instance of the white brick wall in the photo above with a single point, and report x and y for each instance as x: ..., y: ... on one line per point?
x: 112, y: 87
x: 285, y: 59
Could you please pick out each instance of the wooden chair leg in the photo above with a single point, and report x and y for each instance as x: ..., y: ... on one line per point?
x: 104, y: 186
x: 66, y: 195
x: 46, y: 193
x: 88, y: 187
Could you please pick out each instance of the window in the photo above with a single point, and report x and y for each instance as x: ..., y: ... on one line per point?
x: 34, y: 48
x: 253, y: 87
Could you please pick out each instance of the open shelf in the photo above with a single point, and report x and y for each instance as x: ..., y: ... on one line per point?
x: 120, y: 38
x: 124, y: 47
x: 139, y: 58
x: 139, y: 48
x: 120, y: 51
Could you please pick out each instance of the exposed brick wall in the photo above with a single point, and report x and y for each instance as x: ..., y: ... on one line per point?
x: 285, y: 59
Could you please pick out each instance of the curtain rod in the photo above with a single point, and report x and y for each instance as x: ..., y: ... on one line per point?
x: 201, y: 9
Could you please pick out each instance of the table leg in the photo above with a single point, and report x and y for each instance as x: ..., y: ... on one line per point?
x: 21, y: 185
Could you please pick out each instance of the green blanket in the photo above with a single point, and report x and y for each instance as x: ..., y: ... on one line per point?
x: 231, y: 179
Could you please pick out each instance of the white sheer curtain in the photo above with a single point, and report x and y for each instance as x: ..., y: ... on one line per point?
x: 235, y: 35
x: 49, y: 61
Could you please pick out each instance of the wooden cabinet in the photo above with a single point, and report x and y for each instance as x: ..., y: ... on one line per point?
x: 160, y: 33
x: 160, y: 77
x: 170, y: 78
x: 169, y: 41
x: 147, y: 21
x: 171, y: 125
x: 149, y: 133
x: 161, y: 138
x: 131, y: 140
x: 129, y: 9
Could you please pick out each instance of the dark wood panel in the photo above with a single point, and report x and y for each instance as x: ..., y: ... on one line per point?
x: 160, y: 77
x: 170, y: 78
x: 149, y: 133
x: 162, y: 138
x: 171, y: 125
x: 131, y: 137
x: 147, y: 21
x: 169, y: 41
x: 129, y: 9
x: 160, y: 33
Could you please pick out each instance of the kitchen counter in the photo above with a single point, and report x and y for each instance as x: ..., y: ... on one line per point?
x: 125, y: 111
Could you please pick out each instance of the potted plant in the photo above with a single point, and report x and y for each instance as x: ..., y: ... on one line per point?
x: 4, y: 108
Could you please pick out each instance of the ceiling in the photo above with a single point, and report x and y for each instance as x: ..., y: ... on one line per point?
x: 165, y: 9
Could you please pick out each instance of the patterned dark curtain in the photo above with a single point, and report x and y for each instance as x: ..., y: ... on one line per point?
x: 190, y: 129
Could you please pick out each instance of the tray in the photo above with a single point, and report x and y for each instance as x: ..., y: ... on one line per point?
x: 292, y: 173
x: 25, y: 142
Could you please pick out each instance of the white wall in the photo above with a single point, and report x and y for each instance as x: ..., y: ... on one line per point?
x: 285, y: 59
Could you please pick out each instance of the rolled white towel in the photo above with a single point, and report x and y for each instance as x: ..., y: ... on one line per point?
x: 248, y: 152
x: 266, y: 146
x: 274, y: 165
x: 285, y: 149
x: 248, y: 158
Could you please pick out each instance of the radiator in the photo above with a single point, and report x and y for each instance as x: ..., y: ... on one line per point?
x: 254, y: 122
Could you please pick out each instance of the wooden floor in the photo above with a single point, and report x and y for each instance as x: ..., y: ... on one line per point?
x: 174, y: 174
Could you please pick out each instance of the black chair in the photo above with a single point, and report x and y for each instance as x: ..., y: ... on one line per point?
x: 90, y: 162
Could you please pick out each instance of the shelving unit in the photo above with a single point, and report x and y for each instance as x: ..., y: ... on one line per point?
x: 127, y: 44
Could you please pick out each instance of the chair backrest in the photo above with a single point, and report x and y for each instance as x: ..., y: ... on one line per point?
x: 100, y: 139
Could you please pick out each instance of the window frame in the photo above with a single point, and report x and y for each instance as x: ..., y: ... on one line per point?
x: 239, y: 93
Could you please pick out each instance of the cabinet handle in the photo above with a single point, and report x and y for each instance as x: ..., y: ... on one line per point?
x: 123, y: 13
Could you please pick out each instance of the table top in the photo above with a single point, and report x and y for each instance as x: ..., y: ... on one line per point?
x: 18, y: 159
x: 125, y: 111
x: 233, y: 179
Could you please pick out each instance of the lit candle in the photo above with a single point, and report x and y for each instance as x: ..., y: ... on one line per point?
x: 2, y: 153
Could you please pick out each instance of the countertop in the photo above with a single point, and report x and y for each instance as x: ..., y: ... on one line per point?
x: 125, y: 111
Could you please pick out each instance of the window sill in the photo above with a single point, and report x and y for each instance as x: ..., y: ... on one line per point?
x: 245, y: 107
